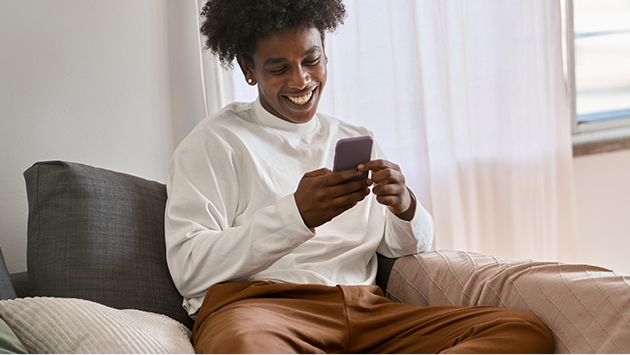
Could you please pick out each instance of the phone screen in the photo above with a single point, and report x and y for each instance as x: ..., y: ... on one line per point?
x: 351, y: 152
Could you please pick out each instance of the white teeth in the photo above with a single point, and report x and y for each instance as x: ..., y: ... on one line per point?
x: 300, y: 100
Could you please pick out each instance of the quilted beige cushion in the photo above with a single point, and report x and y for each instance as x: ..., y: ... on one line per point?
x: 587, y: 308
x: 71, y: 326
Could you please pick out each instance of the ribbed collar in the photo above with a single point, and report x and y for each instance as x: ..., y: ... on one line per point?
x: 269, y: 120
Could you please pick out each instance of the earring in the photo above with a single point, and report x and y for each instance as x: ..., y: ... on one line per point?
x: 250, y: 81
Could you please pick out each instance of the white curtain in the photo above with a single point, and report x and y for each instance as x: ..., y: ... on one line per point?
x: 469, y: 99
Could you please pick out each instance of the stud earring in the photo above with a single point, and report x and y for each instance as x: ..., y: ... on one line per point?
x: 250, y: 81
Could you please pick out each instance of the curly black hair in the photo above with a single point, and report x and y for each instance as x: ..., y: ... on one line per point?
x: 232, y: 27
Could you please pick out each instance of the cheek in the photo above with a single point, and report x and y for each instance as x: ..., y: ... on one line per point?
x: 270, y: 88
x: 321, y: 74
x: 273, y: 86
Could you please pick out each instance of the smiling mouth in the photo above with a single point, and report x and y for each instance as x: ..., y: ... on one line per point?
x: 301, y: 100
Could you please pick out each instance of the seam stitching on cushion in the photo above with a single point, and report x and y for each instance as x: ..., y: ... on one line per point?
x: 409, y: 284
x: 448, y: 264
x: 605, y: 295
x: 587, y: 309
x: 537, y: 314
x: 484, y: 283
x: 430, y: 278
x: 550, y: 301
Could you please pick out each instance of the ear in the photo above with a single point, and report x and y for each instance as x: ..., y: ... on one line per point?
x: 247, y: 70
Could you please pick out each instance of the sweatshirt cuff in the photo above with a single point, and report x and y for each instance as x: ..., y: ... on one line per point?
x: 289, y: 209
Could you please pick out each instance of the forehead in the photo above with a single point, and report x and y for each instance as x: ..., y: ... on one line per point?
x: 290, y: 43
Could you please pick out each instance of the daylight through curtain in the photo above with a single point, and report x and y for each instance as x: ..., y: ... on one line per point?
x: 469, y: 99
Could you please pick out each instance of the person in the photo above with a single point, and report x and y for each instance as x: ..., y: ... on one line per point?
x: 271, y: 250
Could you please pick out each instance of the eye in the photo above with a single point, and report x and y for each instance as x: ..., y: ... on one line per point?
x: 278, y: 71
x: 312, y: 62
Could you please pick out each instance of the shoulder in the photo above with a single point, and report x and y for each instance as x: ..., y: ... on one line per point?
x: 341, y: 127
x: 231, y: 116
x: 215, y: 132
x: 230, y: 119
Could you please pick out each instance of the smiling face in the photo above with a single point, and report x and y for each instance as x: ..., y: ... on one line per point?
x: 290, y: 69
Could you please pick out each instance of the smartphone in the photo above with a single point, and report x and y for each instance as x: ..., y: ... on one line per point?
x: 351, y: 152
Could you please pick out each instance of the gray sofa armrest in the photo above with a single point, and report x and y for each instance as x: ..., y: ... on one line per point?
x: 20, y: 284
x: 7, y: 292
x: 384, y: 270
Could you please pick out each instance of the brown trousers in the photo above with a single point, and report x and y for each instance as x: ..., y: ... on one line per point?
x: 266, y: 317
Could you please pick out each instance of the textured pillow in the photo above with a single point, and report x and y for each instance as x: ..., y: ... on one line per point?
x: 70, y: 326
x: 586, y: 308
x: 98, y: 235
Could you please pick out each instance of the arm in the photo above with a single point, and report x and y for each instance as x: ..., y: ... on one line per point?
x: 212, y: 235
x: 205, y: 242
x: 409, y: 228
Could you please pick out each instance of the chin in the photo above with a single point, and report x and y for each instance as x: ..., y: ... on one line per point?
x: 302, y: 114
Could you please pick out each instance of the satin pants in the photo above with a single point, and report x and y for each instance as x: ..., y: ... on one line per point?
x: 267, y: 317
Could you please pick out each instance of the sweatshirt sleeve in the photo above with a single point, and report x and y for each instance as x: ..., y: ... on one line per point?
x: 203, y: 247
x: 405, y: 237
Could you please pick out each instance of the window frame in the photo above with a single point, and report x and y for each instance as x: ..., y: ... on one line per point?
x: 606, y: 135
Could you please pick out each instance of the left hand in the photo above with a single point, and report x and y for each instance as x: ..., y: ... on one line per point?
x: 390, y: 188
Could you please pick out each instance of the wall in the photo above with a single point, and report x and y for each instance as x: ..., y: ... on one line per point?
x: 102, y: 83
x: 96, y: 82
x: 603, y: 202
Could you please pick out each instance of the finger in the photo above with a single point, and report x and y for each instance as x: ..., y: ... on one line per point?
x: 341, y: 176
x: 318, y: 172
x: 388, y: 176
x: 389, y: 200
x: 349, y: 188
x: 378, y: 164
x: 389, y: 190
x: 351, y: 199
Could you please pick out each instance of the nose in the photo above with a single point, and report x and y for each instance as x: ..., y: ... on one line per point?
x: 299, y: 78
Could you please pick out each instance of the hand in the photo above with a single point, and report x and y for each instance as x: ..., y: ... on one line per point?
x: 320, y: 196
x: 390, y: 188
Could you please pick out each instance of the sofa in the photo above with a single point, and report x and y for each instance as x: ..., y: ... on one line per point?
x: 98, y: 282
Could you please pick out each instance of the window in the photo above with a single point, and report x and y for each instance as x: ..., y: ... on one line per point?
x: 598, y: 34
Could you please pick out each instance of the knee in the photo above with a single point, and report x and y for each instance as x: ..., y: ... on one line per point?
x: 527, y: 333
x: 233, y: 341
x: 244, y: 334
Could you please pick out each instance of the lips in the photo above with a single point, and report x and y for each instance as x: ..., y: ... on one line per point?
x: 301, y: 100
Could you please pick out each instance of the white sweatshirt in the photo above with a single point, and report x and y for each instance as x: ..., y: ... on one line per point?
x: 231, y: 214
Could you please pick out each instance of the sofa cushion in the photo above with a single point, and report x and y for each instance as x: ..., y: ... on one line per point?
x: 586, y: 307
x: 72, y: 326
x: 98, y: 235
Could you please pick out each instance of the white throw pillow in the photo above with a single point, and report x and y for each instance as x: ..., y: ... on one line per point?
x: 68, y: 325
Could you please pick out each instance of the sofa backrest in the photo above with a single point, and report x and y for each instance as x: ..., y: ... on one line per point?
x: 97, y: 234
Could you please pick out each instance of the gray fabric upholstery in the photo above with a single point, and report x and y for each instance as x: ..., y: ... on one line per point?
x: 7, y: 292
x: 98, y: 235
x: 20, y: 284
x: 384, y: 270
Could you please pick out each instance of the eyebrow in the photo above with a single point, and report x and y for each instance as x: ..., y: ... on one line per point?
x: 272, y: 61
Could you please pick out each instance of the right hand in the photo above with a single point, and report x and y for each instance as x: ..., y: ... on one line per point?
x: 320, y: 196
